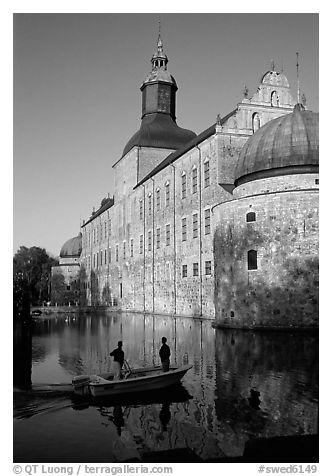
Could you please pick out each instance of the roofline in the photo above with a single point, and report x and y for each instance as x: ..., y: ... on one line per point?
x: 99, y: 211
x: 176, y: 154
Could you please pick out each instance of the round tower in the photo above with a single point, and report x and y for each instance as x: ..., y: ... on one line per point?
x: 266, y: 238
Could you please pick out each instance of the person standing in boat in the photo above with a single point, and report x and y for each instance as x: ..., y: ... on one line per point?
x: 118, y: 356
x: 164, y: 355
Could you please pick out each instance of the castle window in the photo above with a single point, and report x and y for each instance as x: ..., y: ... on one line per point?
x: 256, y: 123
x: 316, y: 181
x: 117, y: 253
x: 195, y: 269
x: 105, y: 226
x: 109, y: 227
x: 252, y: 259
x: 274, y: 99
x: 124, y: 250
x: 109, y: 255
x: 149, y: 240
x: 207, y: 268
x: 150, y: 203
x: 167, y: 194
x: 158, y: 199
x: 132, y: 247
x: 194, y: 180
x: 184, y: 229
x: 251, y: 216
x: 168, y: 235
x: 68, y: 287
x: 101, y: 258
x: 184, y: 185
x: 206, y: 173
x: 141, y: 209
x: 158, y: 238
x: 184, y: 271
x: 140, y: 244
x: 207, y: 222
x: 195, y: 225
x: 105, y: 256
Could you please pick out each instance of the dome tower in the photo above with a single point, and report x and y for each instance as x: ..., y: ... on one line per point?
x: 266, y: 238
x: 158, y: 127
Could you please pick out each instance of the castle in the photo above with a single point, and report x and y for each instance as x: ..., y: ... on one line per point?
x: 223, y: 224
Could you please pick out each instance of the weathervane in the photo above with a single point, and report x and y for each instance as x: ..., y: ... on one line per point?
x: 298, y: 78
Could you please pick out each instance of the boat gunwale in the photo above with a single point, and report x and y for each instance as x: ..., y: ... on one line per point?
x: 177, y: 370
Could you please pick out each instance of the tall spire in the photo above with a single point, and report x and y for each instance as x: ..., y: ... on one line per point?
x: 159, y: 59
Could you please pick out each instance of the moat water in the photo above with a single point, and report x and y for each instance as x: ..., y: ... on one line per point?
x: 213, y: 413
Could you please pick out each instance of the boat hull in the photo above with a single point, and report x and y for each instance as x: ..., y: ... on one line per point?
x: 141, y: 380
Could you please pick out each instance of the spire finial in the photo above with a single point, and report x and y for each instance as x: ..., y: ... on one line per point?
x: 298, y: 78
x: 160, y: 41
x: 159, y: 59
x: 272, y: 65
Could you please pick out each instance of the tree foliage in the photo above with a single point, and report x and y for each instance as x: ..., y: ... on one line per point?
x: 32, y: 273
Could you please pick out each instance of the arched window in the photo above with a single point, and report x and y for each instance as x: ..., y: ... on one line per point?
x: 158, y: 199
x: 184, y: 184
x: 274, y: 99
x: 167, y: 194
x: 251, y: 216
x: 252, y: 259
x: 194, y: 179
x: 256, y: 122
x: 206, y: 173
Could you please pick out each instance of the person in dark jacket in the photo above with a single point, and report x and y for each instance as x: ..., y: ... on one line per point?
x: 118, y: 356
x: 164, y: 355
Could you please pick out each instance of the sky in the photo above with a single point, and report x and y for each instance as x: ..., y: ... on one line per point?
x: 77, y: 98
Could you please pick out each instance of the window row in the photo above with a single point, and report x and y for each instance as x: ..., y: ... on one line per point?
x: 104, y: 256
x: 195, y: 269
x: 184, y: 189
x: 98, y: 234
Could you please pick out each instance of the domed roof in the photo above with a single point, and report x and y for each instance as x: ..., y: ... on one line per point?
x: 274, y: 78
x: 160, y: 131
x: 280, y: 145
x: 72, y: 248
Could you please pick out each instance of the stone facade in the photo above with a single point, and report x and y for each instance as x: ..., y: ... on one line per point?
x: 282, y: 289
x: 152, y: 250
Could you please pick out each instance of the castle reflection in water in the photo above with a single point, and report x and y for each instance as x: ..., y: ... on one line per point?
x: 243, y: 384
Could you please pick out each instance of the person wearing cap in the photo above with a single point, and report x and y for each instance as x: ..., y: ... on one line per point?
x: 118, y: 356
x: 164, y: 355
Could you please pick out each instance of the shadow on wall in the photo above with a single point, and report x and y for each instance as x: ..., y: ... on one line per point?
x: 95, y: 299
x: 283, y: 293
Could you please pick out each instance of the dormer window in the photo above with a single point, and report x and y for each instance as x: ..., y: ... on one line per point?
x: 274, y: 99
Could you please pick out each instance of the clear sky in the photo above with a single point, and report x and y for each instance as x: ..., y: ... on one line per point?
x: 77, y: 99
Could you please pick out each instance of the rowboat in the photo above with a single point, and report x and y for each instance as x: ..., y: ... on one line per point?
x: 134, y: 380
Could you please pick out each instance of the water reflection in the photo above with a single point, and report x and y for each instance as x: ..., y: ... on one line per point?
x: 242, y: 385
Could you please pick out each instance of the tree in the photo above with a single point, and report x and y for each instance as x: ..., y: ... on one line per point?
x: 32, y: 273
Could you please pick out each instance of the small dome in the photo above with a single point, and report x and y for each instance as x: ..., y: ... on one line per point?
x: 274, y: 78
x: 160, y: 131
x: 72, y: 248
x: 288, y: 144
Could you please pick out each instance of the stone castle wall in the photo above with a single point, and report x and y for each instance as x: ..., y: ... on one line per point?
x: 283, y: 290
